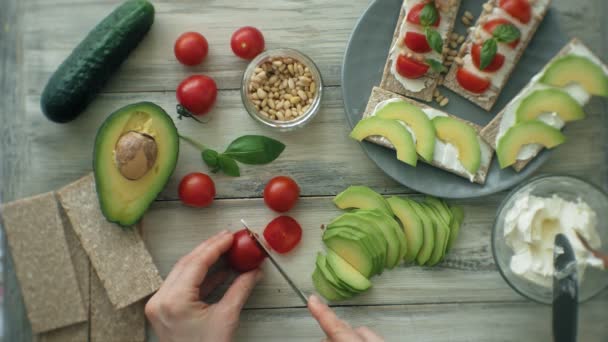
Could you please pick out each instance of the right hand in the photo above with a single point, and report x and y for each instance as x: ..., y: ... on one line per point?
x: 336, y: 329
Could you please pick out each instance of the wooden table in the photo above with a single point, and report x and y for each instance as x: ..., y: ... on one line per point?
x: 463, y: 299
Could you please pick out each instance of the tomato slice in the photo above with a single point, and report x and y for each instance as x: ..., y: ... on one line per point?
x: 283, y: 234
x: 416, y: 42
x: 496, y: 63
x: 518, y: 9
x: 414, y: 14
x: 472, y: 82
x: 491, y: 25
x: 410, y: 68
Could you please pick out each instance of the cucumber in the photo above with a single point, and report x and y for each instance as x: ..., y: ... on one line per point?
x: 80, y: 77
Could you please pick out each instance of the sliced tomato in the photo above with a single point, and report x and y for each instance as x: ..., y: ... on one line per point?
x: 416, y: 42
x: 472, y: 82
x: 414, y: 14
x: 519, y: 9
x: 496, y: 63
x: 410, y: 68
x: 491, y: 25
x: 283, y: 234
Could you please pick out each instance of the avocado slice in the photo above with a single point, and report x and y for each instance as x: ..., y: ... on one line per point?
x: 337, y: 286
x: 385, y: 228
x: 324, y: 287
x: 412, y: 225
x: 347, y: 273
x: 524, y: 133
x: 136, y: 151
x: 428, y: 243
x: 417, y: 120
x: 392, y: 130
x: 577, y: 69
x: 440, y: 207
x: 457, y: 219
x: 351, y: 248
x: 369, y: 241
x: 358, y: 196
x: 442, y: 234
x: 549, y: 101
x: 463, y: 137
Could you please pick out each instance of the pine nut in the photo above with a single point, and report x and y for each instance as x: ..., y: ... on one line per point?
x: 302, y: 95
x: 444, y: 102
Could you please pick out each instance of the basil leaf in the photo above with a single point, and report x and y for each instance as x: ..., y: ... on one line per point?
x: 488, y: 51
x: 434, y: 39
x: 229, y: 166
x: 506, y: 33
x: 210, y: 157
x: 254, y: 149
x: 428, y: 15
x: 435, y: 65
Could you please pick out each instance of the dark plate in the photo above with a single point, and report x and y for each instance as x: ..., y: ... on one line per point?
x: 364, y: 61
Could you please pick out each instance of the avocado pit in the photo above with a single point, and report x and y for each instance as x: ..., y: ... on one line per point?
x: 135, y: 154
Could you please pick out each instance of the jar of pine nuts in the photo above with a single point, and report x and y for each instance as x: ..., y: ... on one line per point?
x: 282, y: 89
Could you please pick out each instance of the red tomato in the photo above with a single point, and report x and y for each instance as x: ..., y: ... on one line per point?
x: 519, y: 9
x: 197, y: 190
x: 471, y: 82
x: 491, y: 25
x: 247, y: 42
x: 191, y: 48
x: 283, y: 234
x: 410, y: 68
x: 281, y: 193
x: 496, y: 63
x: 197, y: 94
x: 414, y: 14
x: 245, y: 254
x: 417, y: 42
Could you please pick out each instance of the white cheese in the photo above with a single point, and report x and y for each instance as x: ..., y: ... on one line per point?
x: 530, y: 228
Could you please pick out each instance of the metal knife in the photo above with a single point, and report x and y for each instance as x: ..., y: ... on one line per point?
x: 565, y: 291
x: 295, y: 288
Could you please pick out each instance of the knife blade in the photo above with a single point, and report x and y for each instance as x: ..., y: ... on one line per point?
x: 565, y: 291
x: 293, y: 285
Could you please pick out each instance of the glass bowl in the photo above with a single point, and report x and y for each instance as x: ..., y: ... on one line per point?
x: 570, y: 189
x: 299, y: 121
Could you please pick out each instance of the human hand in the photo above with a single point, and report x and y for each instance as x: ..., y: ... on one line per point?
x: 177, y: 311
x: 336, y: 329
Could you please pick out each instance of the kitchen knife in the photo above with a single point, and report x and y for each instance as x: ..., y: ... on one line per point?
x: 565, y: 291
x: 295, y: 288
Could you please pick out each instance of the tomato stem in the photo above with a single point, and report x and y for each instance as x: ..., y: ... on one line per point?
x: 183, y: 112
x: 193, y: 142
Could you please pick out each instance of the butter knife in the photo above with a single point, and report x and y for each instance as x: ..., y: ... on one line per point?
x: 565, y: 291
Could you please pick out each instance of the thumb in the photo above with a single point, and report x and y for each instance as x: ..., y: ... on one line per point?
x: 329, y: 322
x: 238, y: 293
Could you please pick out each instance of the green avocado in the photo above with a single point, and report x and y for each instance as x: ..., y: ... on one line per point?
x: 549, y: 101
x: 442, y: 234
x: 361, y: 197
x: 457, y: 219
x: 525, y: 133
x: 428, y: 229
x: 392, y: 130
x: 577, y: 69
x: 412, y: 225
x: 353, y: 247
x: 347, y: 273
x: 136, y: 151
x: 324, y: 287
x: 342, y: 290
x: 387, y: 226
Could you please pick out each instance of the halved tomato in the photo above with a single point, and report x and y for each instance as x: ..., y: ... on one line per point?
x: 491, y: 25
x: 410, y: 68
x: 519, y: 9
x: 472, y: 82
x: 496, y: 63
x: 416, y: 42
x: 414, y: 14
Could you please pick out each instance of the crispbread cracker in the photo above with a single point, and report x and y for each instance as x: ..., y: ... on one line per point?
x: 109, y: 324
x: 378, y: 95
x: 42, y: 261
x: 489, y: 97
x: 117, y: 254
x: 390, y: 83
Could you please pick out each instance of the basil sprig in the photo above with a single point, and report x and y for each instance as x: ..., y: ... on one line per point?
x: 504, y: 33
x: 248, y: 149
x: 428, y: 16
x: 434, y: 39
x: 435, y: 65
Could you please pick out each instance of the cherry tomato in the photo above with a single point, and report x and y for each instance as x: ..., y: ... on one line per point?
x: 410, y: 68
x: 197, y: 94
x: 283, y: 234
x: 245, y: 254
x: 472, y: 82
x: 491, y: 25
x: 197, y: 190
x: 417, y: 42
x: 191, y: 48
x: 281, y: 193
x: 519, y: 9
x: 414, y: 14
x: 496, y: 63
x: 247, y: 42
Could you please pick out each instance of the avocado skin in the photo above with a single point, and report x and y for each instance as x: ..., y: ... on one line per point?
x: 87, y: 69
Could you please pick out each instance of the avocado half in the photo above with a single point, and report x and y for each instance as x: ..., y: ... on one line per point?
x: 135, y: 153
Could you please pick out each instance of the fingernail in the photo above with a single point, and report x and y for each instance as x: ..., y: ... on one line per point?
x: 313, y: 299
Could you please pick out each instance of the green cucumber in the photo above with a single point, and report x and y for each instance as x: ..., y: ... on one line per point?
x: 86, y: 70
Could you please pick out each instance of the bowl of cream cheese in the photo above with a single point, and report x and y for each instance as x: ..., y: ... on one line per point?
x: 526, y: 225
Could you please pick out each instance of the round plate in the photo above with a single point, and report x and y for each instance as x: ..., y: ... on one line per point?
x: 363, y: 64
